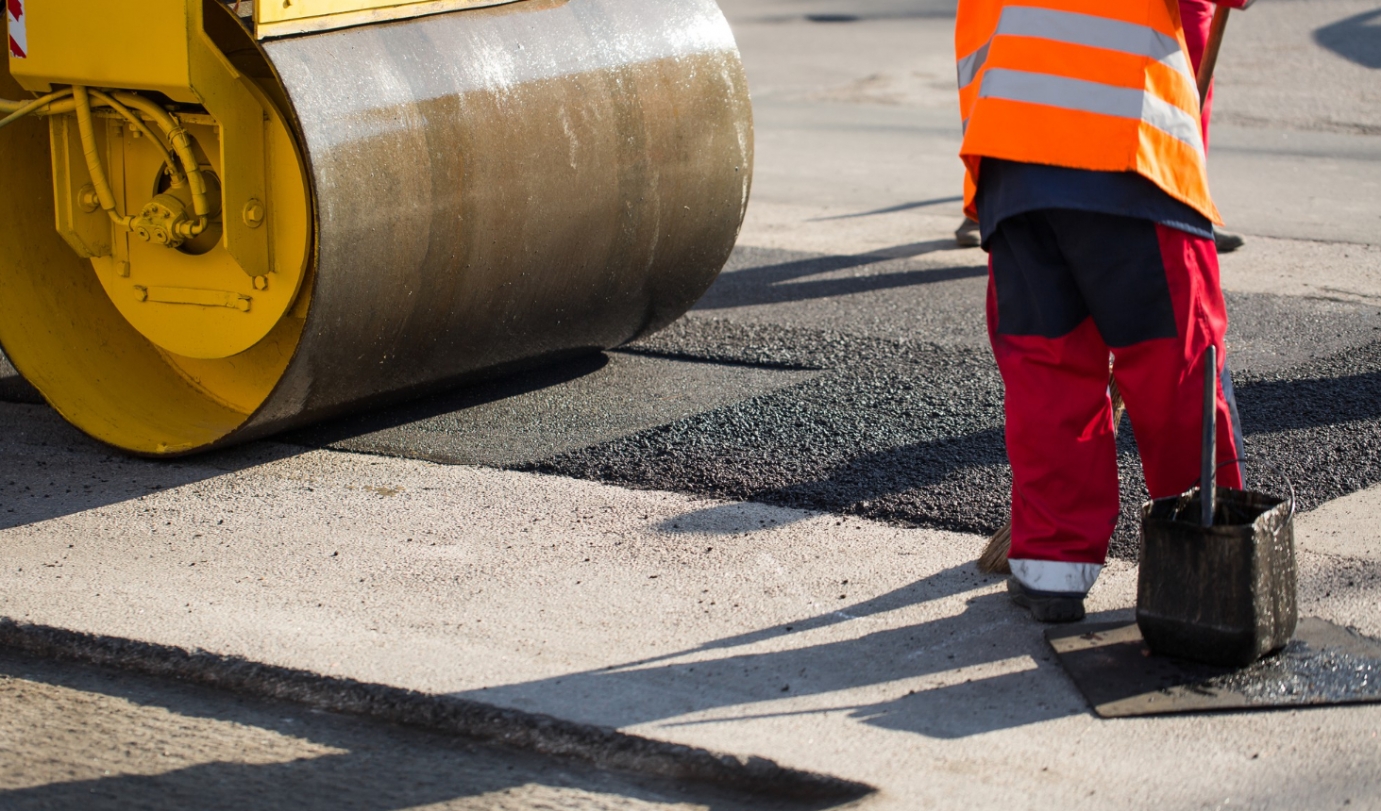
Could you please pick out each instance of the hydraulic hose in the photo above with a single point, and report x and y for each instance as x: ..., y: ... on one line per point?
x: 18, y: 110
x: 182, y: 144
x: 93, y: 158
x: 79, y: 98
x: 61, y: 102
x: 174, y: 172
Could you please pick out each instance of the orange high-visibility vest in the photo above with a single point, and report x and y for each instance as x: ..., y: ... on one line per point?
x: 1089, y: 84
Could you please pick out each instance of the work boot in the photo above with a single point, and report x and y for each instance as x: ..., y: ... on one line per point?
x: 1047, y: 606
x: 967, y: 235
x: 1227, y: 241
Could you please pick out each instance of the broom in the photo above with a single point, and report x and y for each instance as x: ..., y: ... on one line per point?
x: 994, y: 557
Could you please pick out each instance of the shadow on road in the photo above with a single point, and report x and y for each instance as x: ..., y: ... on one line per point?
x: 893, y: 209
x: 982, y: 669
x: 48, y: 469
x: 1270, y: 406
x: 779, y: 283
x: 13, y: 388
x: 269, y: 755
x: 946, y: 583
x: 1356, y: 39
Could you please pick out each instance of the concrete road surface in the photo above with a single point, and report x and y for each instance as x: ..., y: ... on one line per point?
x: 753, y: 532
x: 76, y: 737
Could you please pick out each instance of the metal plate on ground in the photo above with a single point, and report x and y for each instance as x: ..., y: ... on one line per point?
x: 1325, y: 664
x: 539, y: 414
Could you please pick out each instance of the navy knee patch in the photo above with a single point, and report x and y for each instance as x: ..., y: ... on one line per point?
x: 1055, y: 267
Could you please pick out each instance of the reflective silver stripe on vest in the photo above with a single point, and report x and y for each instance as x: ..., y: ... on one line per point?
x: 1080, y: 29
x: 1096, y: 32
x: 1060, y: 91
x: 1092, y: 97
x: 1173, y: 121
x: 970, y: 65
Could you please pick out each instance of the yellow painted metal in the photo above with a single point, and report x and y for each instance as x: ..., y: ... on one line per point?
x: 216, y: 295
x: 72, y: 342
x: 204, y: 305
x: 93, y: 42
x: 150, y: 348
x: 281, y: 18
x: 79, y: 219
x: 243, y: 114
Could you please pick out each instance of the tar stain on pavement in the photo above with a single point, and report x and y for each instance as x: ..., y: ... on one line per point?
x: 1301, y: 675
x: 1120, y: 677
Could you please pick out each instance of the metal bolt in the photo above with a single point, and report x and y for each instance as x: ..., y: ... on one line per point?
x: 88, y: 199
x: 261, y: 282
x: 254, y: 213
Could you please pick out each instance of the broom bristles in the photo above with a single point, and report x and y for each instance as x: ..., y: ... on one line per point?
x: 1119, y: 406
x: 994, y: 557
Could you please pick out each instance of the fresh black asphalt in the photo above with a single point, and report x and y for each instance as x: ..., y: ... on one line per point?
x: 864, y: 385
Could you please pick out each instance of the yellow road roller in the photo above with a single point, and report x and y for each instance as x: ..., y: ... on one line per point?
x: 222, y: 219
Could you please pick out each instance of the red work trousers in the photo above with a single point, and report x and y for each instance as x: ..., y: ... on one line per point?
x: 1067, y: 289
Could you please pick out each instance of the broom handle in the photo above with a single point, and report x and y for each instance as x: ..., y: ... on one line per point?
x: 1209, y: 457
x: 1210, y: 58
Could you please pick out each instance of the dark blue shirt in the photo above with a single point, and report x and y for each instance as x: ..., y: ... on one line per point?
x: 1007, y: 188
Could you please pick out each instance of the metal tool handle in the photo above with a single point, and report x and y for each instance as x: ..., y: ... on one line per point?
x: 1209, y: 62
x: 1209, y: 454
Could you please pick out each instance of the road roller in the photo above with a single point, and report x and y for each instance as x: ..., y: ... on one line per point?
x: 219, y: 220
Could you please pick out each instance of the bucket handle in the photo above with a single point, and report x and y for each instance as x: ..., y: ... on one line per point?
x: 1294, y: 497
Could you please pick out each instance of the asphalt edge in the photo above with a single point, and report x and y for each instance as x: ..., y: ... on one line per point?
x: 603, y: 747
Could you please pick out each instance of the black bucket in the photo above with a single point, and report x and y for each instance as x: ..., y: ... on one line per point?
x: 1222, y: 594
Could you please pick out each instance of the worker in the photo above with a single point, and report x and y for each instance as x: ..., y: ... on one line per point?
x: 1196, y: 17
x: 1085, y: 170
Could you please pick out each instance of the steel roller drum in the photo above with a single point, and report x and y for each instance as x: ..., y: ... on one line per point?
x: 487, y: 189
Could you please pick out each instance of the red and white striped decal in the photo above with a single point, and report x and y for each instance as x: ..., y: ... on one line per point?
x: 19, y: 38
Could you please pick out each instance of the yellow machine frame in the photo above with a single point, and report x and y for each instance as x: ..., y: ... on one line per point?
x: 202, y: 294
x: 279, y: 18
x: 177, y: 181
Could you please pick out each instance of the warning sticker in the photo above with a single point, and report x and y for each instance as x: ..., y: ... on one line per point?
x: 19, y: 39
